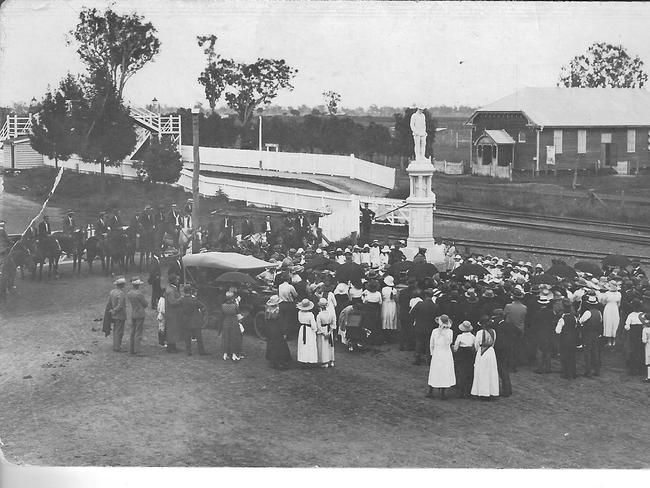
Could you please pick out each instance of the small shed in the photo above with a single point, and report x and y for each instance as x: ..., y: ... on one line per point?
x: 495, y: 152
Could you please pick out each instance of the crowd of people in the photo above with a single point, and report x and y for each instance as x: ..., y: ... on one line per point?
x: 473, y: 320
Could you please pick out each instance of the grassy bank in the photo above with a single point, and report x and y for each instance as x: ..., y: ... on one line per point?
x: 82, y: 193
x: 545, y: 196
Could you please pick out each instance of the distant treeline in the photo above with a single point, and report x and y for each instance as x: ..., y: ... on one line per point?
x: 310, y: 133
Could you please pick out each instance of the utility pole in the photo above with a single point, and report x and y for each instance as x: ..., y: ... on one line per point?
x: 260, y: 141
x: 197, y: 167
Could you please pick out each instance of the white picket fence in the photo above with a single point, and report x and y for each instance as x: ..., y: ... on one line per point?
x: 318, y: 164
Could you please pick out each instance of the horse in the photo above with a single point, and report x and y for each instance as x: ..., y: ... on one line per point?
x: 185, y: 237
x: 134, y: 234
x: 147, y: 246
x: 115, y: 249
x: 45, y: 248
x: 73, y: 247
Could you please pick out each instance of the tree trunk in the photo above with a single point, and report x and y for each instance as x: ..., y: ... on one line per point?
x: 102, y: 180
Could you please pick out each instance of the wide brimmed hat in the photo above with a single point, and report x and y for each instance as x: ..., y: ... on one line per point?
x: 322, y: 302
x: 612, y: 286
x: 70, y: 211
x: 644, y: 318
x: 444, y: 321
x: 273, y: 301
x: 544, y: 299
x: 120, y: 280
x: 592, y: 300
x: 341, y: 289
x: 465, y: 326
x: 488, y: 293
x: 389, y: 280
x: 385, y: 249
x: 305, y: 305
x: 136, y: 280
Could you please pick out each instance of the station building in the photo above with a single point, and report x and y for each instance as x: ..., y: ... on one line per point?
x: 560, y: 129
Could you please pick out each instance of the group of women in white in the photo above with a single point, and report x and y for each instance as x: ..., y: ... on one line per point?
x: 442, y: 375
x: 316, y: 334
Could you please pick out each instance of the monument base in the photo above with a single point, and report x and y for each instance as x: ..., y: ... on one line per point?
x: 435, y: 253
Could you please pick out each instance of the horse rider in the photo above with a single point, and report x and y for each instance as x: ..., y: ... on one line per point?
x: 69, y: 224
x: 268, y: 228
x: 44, y: 228
x: 101, y: 227
x: 187, y: 210
x: 114, y: 222
x: 175, y: 220
x: 148, y: 219
x: 5, y: 243
x: 137, y: 220
x: 247, y: 228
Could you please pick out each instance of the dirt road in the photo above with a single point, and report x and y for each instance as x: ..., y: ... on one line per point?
x: 67, y: 399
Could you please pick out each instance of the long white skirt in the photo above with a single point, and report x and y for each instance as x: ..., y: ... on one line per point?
x: 486, y: 375
x: 307, y: 352
x: 389, y: 315
x: 611, y: 319
x: 441, y: 371
x: 325, y: 350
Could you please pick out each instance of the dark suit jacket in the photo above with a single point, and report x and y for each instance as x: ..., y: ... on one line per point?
x: 424, y: 314
x: 44, y: 229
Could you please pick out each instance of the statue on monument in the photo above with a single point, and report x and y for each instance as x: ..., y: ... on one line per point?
x: 419, y: 129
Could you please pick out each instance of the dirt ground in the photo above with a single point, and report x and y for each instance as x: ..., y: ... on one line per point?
x: 68, y: 399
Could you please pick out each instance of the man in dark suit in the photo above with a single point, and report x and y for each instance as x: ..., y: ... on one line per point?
x: 44, y: 228
x: 69, y: 224
x: 101, y: 227
x: 176, y: 268
x: 503, y: 346
x: 268, y: 228
x: 367, y: 217
x: 175, y: 222
x: 247, y: 228
x: 148, y: 219
x: 114, y: 222
x: 160, y: 218
x: 154, y: 280
x: 424, y: 315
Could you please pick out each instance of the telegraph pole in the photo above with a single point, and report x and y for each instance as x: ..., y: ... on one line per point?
x: 197, y: 167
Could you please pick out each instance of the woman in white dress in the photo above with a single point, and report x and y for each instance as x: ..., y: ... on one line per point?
x: 388, y: 305
x: 325, y: 325
x: 611, y: 318
x: 307, y: 351
x: 441, y: 370
x: 486, y: 375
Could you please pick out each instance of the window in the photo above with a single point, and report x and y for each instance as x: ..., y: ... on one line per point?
x: 582, y: 141
x: 557, y: 141
x: 522, y: 136
x: 606, y: 138
x: 631, y: 140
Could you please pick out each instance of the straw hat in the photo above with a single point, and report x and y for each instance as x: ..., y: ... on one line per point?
x: 644, y: 318
x: 385, y: 249
x: 120, y: 280
x: 341, y: 289
x: 488, y: 293
x: 544, y: 299
x: 305, y: 305
x: 612, y: 286
x: 465, y: 326
x: 592, y: 300
x: 274, y: 301
x: 389, y: 280
x: 136, y: 281
x: 471, y: 296
x: 322, y: 303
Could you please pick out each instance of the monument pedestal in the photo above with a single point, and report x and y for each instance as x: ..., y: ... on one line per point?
x: 421, y: 202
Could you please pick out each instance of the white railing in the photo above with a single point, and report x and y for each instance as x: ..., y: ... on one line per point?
x: 142, y: 136
x: 306, y: 163
x: 15, y: 126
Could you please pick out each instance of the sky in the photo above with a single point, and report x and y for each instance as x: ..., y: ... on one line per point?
x: 383, y: 53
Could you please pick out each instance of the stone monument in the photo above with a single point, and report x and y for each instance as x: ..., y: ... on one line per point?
x: 421, y: 200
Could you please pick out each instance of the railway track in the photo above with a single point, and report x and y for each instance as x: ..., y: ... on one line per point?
x: 547, y: 227
x: 546, y: 218
x: 396, y: 232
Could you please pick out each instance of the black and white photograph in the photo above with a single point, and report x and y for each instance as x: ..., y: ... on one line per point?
x: 329, y: 234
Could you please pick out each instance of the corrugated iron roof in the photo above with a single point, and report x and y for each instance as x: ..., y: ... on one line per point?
x: 500, y: 136
x: 577, y: 107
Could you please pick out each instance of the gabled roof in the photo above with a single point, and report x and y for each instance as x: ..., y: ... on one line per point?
x: 577, y: 107
x: 498, y: 137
